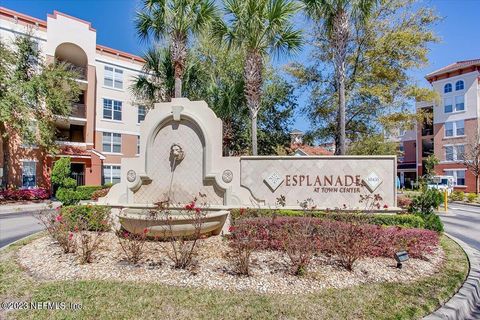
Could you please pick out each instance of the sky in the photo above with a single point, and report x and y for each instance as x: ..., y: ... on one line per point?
x: 113, y: 20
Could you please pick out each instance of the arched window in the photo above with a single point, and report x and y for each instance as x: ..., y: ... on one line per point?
x: 447, y: 88
x: 459, y: 85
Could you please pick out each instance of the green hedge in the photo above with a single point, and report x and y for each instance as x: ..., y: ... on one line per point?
x: 97, y: 218
x: 403, y: 220
x: 85, y: 192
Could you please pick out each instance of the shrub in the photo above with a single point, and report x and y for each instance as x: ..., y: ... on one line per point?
x: 404, y: 220
x: 426, y: 202
x: 132, y: 244
x: 24, y: 194
x: 457, y: 196
x: 99, y: 193
x: 471, y: 197
x: 433, y: 222
x: 58, y: 228
x: 60, y: 176
x: 347, y: 242
x: 88, y: 242
x: 85, y: 192
x: 67, y: 196
x: 93, y: 218
x: 404, y: 202
x: 182, y: 248
x: 299, y: 242
x: 242, y: 243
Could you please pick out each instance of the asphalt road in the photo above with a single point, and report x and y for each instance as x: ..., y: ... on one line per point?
x: 14, y: 226
x: 463, y: 222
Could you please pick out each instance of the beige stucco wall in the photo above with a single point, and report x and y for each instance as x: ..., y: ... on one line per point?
x: 236, y: 181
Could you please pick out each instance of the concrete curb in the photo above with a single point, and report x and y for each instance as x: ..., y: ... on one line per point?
x: 9, y: 209
x: 464, y: 203
x: 21, y: 239
x: 465, y: 304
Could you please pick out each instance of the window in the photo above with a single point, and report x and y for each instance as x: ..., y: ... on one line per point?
x: 113, y: 77
x: 138, y: 144
x: 448, y: 105
x: 142, y: 111
x: 459, y: 85
x: 458, y: 176
x: 29, y: 174
x: 459, y: 103
x: 112, y: 109
x: 454, y: 153
x: 112, y: 142
x: 460, y: 127
x: 447, y: 88
x: 455, y: 128
x: 111, y: 174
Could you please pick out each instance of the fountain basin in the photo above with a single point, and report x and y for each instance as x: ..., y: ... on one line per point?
x: 136, y: 220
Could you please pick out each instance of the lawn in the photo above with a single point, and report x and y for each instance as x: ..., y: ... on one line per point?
x: 114, y: 300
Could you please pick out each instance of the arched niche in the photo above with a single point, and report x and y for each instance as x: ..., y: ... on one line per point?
x: 179, y: 182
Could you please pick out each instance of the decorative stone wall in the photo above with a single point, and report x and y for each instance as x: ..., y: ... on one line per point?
x: 190, y: 131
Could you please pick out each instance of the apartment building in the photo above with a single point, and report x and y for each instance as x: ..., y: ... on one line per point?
x: 455, y: 122
x: 407, y: 155
x: 103, y: 126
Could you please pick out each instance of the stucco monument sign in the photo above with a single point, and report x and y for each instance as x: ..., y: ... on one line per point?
x: 181, y: 156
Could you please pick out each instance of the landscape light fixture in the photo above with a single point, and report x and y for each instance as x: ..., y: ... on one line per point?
x: 400, y: 257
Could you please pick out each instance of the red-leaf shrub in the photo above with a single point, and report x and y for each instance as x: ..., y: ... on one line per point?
x: 24, y: 194
x: 242, y: 243
x: 404, y: 202
x: 347, y: 241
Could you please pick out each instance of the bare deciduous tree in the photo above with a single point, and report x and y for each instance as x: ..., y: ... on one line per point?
x: 471, y: 158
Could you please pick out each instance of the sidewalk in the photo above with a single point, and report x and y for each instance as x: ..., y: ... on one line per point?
x: 19, y: 208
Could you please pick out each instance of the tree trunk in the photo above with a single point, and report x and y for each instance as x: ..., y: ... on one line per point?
x: 254, y: 135
x: 476, y: 184
x: 178, y: 51
x: 253, y: 90
x: 178, y: 87
x: 341, y: 117
x: 339, y: 37
x: 6, y: 155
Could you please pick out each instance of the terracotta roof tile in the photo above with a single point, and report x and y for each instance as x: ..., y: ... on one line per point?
x: 454, y: 66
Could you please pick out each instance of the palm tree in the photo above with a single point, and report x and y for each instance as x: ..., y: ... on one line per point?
x: 258, y: 27
x: 175, y: 21
x: 336, y: 18
x: 157, y: 82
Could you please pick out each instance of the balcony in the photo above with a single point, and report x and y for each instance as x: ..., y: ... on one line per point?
x: 427, y: 147
x: 78, y: 111
x: 80, y: 71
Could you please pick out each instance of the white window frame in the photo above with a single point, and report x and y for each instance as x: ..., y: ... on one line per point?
x: 454, y: 173
x: 455, y: 128
x: 107, y: 139
x: 463, y: 85
x: 107, y: 173
x: 117, y: 77
x: 456, y: 155
x: 445, y: 86
x: 448, y: 101
x: 29, y: 162
x: 455, y: 105
x: 115, y: 107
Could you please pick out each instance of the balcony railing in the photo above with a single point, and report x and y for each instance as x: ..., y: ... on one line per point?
x: 78, y: 111
x: 81, y: 71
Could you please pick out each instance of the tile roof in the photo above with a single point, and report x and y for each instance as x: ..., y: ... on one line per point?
x: 312, y: 151
x: 454, y: 66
